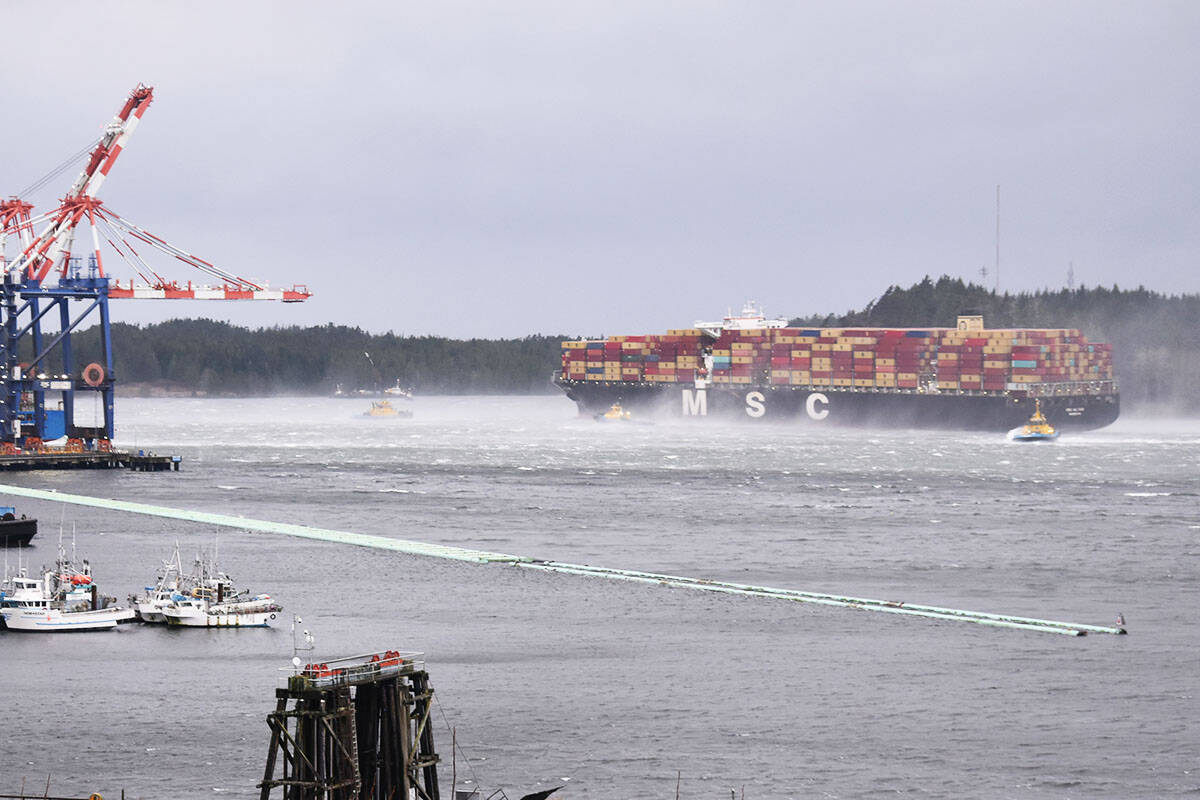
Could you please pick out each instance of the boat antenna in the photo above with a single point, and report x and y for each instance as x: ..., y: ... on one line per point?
x: 296, y: 646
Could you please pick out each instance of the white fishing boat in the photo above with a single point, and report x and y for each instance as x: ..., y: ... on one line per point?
x: 150, y: 605
x: 211, y: 601
x: 205, y: 612
x: 61, y: 600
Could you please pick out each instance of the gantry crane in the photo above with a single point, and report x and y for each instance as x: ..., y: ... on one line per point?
x: 46, y: 277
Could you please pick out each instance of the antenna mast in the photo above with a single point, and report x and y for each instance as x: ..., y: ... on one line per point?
x: 997, y: 237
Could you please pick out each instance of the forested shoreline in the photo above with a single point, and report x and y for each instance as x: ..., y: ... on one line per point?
x: 1156, y: 341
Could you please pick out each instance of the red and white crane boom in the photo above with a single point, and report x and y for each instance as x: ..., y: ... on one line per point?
x: 51, y: 250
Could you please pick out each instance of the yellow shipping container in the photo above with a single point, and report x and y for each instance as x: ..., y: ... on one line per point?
x: 822, y: 347
x: 742, y: 359
x: 801, y: 353
x: 864, y: 381
x: 947, y: 384
x: 804, y: 339
x: 741, y: 346
x: 906, y: 376
x: 843, y: 381
x: 720, y: 379
x: 947, y: 356
x: 721, y: 352
x: 863, y: 355
x: 842, y: 348
x: 574, y: 345
x: 885, y: 362
x: 822, y: 381
x: 739, y: 380
x: 996, y: 364
x: 801, y: 376
x: 781, y: 373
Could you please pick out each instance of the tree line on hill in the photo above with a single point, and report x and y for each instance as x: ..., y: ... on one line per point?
x: 213, y: 358
x: 1155, y: 338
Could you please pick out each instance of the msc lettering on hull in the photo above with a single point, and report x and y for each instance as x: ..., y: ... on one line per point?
x: 810, y: 405
x: 755, y: 407
x: 695, y: 404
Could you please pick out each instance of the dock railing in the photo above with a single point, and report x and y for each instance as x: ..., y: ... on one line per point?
x: 354, y: 670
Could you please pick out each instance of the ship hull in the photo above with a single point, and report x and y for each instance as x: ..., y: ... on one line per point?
x: 17, y: 532
x: 997, y: 411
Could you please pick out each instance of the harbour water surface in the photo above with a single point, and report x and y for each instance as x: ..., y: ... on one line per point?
x: 614, y: 688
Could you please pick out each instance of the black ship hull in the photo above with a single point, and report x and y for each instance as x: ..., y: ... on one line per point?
x: 16, y: 532
x: 980, y: 411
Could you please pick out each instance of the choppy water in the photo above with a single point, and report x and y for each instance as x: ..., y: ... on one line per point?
x: 620, y: 688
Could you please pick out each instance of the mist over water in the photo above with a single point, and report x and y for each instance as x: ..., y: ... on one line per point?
x: 618, y: 687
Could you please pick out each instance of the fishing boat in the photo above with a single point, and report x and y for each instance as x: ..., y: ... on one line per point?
x: 15, y: 531
x: 383, y: 409
x: 207, y: 612
x: 1037, y: 429
x: 63, y: 599
x: 211, y: 601
x: 150, y: 605
x: 399, y: 391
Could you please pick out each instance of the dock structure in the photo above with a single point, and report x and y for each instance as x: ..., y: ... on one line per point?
x: 354, y: 728
x: 90, y: 459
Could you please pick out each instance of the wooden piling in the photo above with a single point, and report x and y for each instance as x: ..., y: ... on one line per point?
x: 356, y: 732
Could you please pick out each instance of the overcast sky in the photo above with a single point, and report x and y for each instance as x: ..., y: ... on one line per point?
x: 501, y: 169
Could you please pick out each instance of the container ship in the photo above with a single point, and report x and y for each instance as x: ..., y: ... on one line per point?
x: 747, y: 366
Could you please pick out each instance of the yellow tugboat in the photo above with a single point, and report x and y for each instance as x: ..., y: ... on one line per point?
x: 614, y: 414
x: 1037, y: 429
x: 384, y: 409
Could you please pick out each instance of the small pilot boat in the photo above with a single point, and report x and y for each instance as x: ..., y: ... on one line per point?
x: 1037, y: 429
x: 383, y: 409
x: 614, y: 414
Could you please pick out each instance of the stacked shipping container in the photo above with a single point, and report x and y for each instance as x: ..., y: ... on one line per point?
x: 868, y: 358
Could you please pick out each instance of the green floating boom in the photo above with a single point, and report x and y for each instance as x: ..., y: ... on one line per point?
x: 484, y: 557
